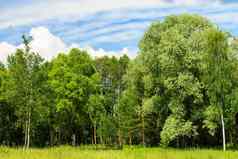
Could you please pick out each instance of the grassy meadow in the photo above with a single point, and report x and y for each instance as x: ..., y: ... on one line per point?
x: 67, y: 152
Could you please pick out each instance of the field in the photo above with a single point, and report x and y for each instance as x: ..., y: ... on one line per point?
x: 67, y: 152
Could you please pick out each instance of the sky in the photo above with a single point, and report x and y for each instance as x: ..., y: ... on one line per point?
x: 102, y: 27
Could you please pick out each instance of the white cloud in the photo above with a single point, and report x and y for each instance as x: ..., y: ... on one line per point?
x: 101, y: 52
x: 45, y: 43
x: 71, y: 9
x: 193, y: 2
x: 108, y: 29
x: 5, y: 50
x: 49, y: 45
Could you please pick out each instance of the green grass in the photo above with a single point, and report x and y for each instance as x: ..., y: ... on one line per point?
x: 67, y: 152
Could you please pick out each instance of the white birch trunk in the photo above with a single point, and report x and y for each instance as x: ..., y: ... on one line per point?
x: 28, y: 130
x: 223, y: 133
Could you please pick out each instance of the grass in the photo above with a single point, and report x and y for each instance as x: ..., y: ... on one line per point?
x: 67, y: 152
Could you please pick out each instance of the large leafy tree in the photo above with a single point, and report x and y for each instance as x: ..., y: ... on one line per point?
x: 73, y: 79
x: 127, y: 116
x: 169, y: 54
x: 132, y: 101
x: 96, y: 110
x: 7, y: 111
x: 218, y: 68
x: 24, y: 69
x: 111, y: 71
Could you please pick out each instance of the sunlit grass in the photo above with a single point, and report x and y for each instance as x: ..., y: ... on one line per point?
x: 67, y: 152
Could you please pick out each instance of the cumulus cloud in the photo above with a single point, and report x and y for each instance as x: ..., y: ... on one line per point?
x: 101, y: 52
x: 49, y: 45
x: 45, y: 43
x: 5, y: 50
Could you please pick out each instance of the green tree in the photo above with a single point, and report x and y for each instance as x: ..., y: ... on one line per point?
x: 111, y: 71
x: 218, y: 77
x: 8, y: 118
x: 135, y: 88
x: 72, y: 77
x: 24, y: 67
x: 96, y: 110
x: 127, y: 115
x: 171, y: 55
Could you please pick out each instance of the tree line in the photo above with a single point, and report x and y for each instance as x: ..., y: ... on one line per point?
x: 181, y: 90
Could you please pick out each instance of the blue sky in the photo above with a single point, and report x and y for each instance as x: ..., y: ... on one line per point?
x: 99, y: 26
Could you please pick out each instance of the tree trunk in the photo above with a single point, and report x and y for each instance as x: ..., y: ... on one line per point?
x: 119, y: 137
x: 143, y: 129
x: 130, y: 139
x: 101, y: 139
x: 58, y: 138
x: 92, y: 140
x: 28, y: 130
x: 231, y: 138
x: 25, y: 134
x: 94, y: 134
x: 73, y: 140
x: 223, y: 133
x: 52, y: 137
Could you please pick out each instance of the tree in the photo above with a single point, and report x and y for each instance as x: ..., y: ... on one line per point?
x: 111, y: 71
x: 96, y: 110
x: 8, y: 120
x: 218, y: 76
x: 72, y: 78
x: 135, y: 90
x: 24, y: 67
x: 126, y: 113
x: 172, y: 60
